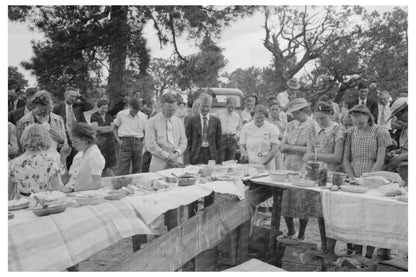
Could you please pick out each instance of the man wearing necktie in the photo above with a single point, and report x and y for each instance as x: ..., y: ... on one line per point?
x: 363, y: 99
x: 204, y: 135
x: 72, y: 110
x: 165, y: 136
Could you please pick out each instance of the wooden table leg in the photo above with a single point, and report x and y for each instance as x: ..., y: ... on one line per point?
x: 206, y: 260
x: 275, y: 224
x: 243, y: 240
x: 322, y: 233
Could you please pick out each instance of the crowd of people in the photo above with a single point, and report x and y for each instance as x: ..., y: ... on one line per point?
x: 53, y: 147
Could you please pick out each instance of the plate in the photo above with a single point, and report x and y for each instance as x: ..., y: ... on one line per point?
x: 354, y: 189
x: 83, y: 201
x: 305, y: 183
x: 20, y: 204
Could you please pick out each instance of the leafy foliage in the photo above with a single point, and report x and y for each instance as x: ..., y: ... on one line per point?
x: 14, y: 73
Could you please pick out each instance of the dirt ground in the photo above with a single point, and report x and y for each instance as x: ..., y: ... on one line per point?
x: 111, y: 256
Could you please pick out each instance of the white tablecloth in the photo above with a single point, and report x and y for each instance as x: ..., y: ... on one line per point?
x: 367, y: 219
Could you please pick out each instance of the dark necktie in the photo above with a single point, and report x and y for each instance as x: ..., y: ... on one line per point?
x: 205, y: 130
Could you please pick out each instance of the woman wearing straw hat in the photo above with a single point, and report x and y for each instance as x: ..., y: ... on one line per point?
x: 294, y: 146
x: 399, y: 109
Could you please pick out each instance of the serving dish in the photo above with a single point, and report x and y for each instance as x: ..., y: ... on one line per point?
x: 19, y: 204
x: 49, y: 210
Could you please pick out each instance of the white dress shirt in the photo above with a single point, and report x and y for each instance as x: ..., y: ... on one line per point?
x: 129, y: 126
x: 230, y: 123
x: 387, y: 114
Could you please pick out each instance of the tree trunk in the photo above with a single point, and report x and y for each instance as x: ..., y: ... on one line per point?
x: 119, y: 32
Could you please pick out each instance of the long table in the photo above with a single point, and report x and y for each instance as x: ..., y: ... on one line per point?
x: 362, y: 218
x: 55, y: 242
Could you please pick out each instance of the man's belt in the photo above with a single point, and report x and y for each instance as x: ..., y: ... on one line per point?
x: 131, y: 138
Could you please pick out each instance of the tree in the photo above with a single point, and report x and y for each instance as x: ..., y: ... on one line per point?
x: 202, y: 69
x: 112, y: 34
x: 164, y: 75
x: 301, y: 36
x: 14, y: 73
x: 374, y: 51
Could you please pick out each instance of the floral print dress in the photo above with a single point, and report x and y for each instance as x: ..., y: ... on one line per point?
x: 33, y: 172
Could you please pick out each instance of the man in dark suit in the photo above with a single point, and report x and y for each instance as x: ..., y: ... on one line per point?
x: 364, y: 100
x: 15, y: 115
x: 204, y: 135
x: 72, y: 110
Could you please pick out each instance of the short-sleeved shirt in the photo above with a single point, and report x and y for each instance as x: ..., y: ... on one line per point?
x: 296, y: 133
x: 85, y: 165
x: 363, y: 147
x: 245, y: 116
x: 258, y: 140
x: 35, y: 171
x: 129, y: 126
x: 324, y: 140
x: 283, y: 98
x: 230, y: 123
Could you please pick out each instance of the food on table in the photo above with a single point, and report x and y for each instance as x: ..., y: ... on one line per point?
x: 334, y: 188
x: 51, y: 198
x: 372, y: 182
x: 354, y: 189
x: 120, y: 182
x: 283, y: 175
x: 187, y: 179
x: 49, y: 210
x: 206, y: 170
x: 11, y: 215
x: 391, y: 190
x: 203, y: 180
x: 160, y: 185
x: 403, y: 198
x: 116, y: 194
x: 390, y: 176
x: 88, y: 197
x: 18, y: 204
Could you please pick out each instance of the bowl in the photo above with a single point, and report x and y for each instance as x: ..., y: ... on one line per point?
x: 49, y: 210
x: 294, y: 177
x: 278, y: 176
x: 186, y: 181
x: 120, y: 182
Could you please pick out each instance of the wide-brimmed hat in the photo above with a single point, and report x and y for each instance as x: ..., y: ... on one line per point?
x: 360, y: 109
x: 297, y: 104
x: 398, y: 105
x: 293, y: 84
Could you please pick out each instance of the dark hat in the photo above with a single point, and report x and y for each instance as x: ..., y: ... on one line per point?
x: 274, y: 102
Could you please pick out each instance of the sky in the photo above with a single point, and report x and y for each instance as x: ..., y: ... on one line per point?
x: 242, y: 43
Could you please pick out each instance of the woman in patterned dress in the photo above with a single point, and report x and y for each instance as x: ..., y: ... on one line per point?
x: 101, y: 122
x: 328, y: 144
x: 365, y: 150
x: 294, y: 146
x: 37, y: 169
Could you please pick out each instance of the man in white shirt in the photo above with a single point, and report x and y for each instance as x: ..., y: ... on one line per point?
x: 165, y: 136
x: 284, y: 97
x: 230, y: 126
x: 249, y: 104
x: 129, y: 132
x: 384, y: 112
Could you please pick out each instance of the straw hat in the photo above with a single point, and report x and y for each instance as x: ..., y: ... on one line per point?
x: 293, y: 84
x: 398, y: 105
x: 297, y: 104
